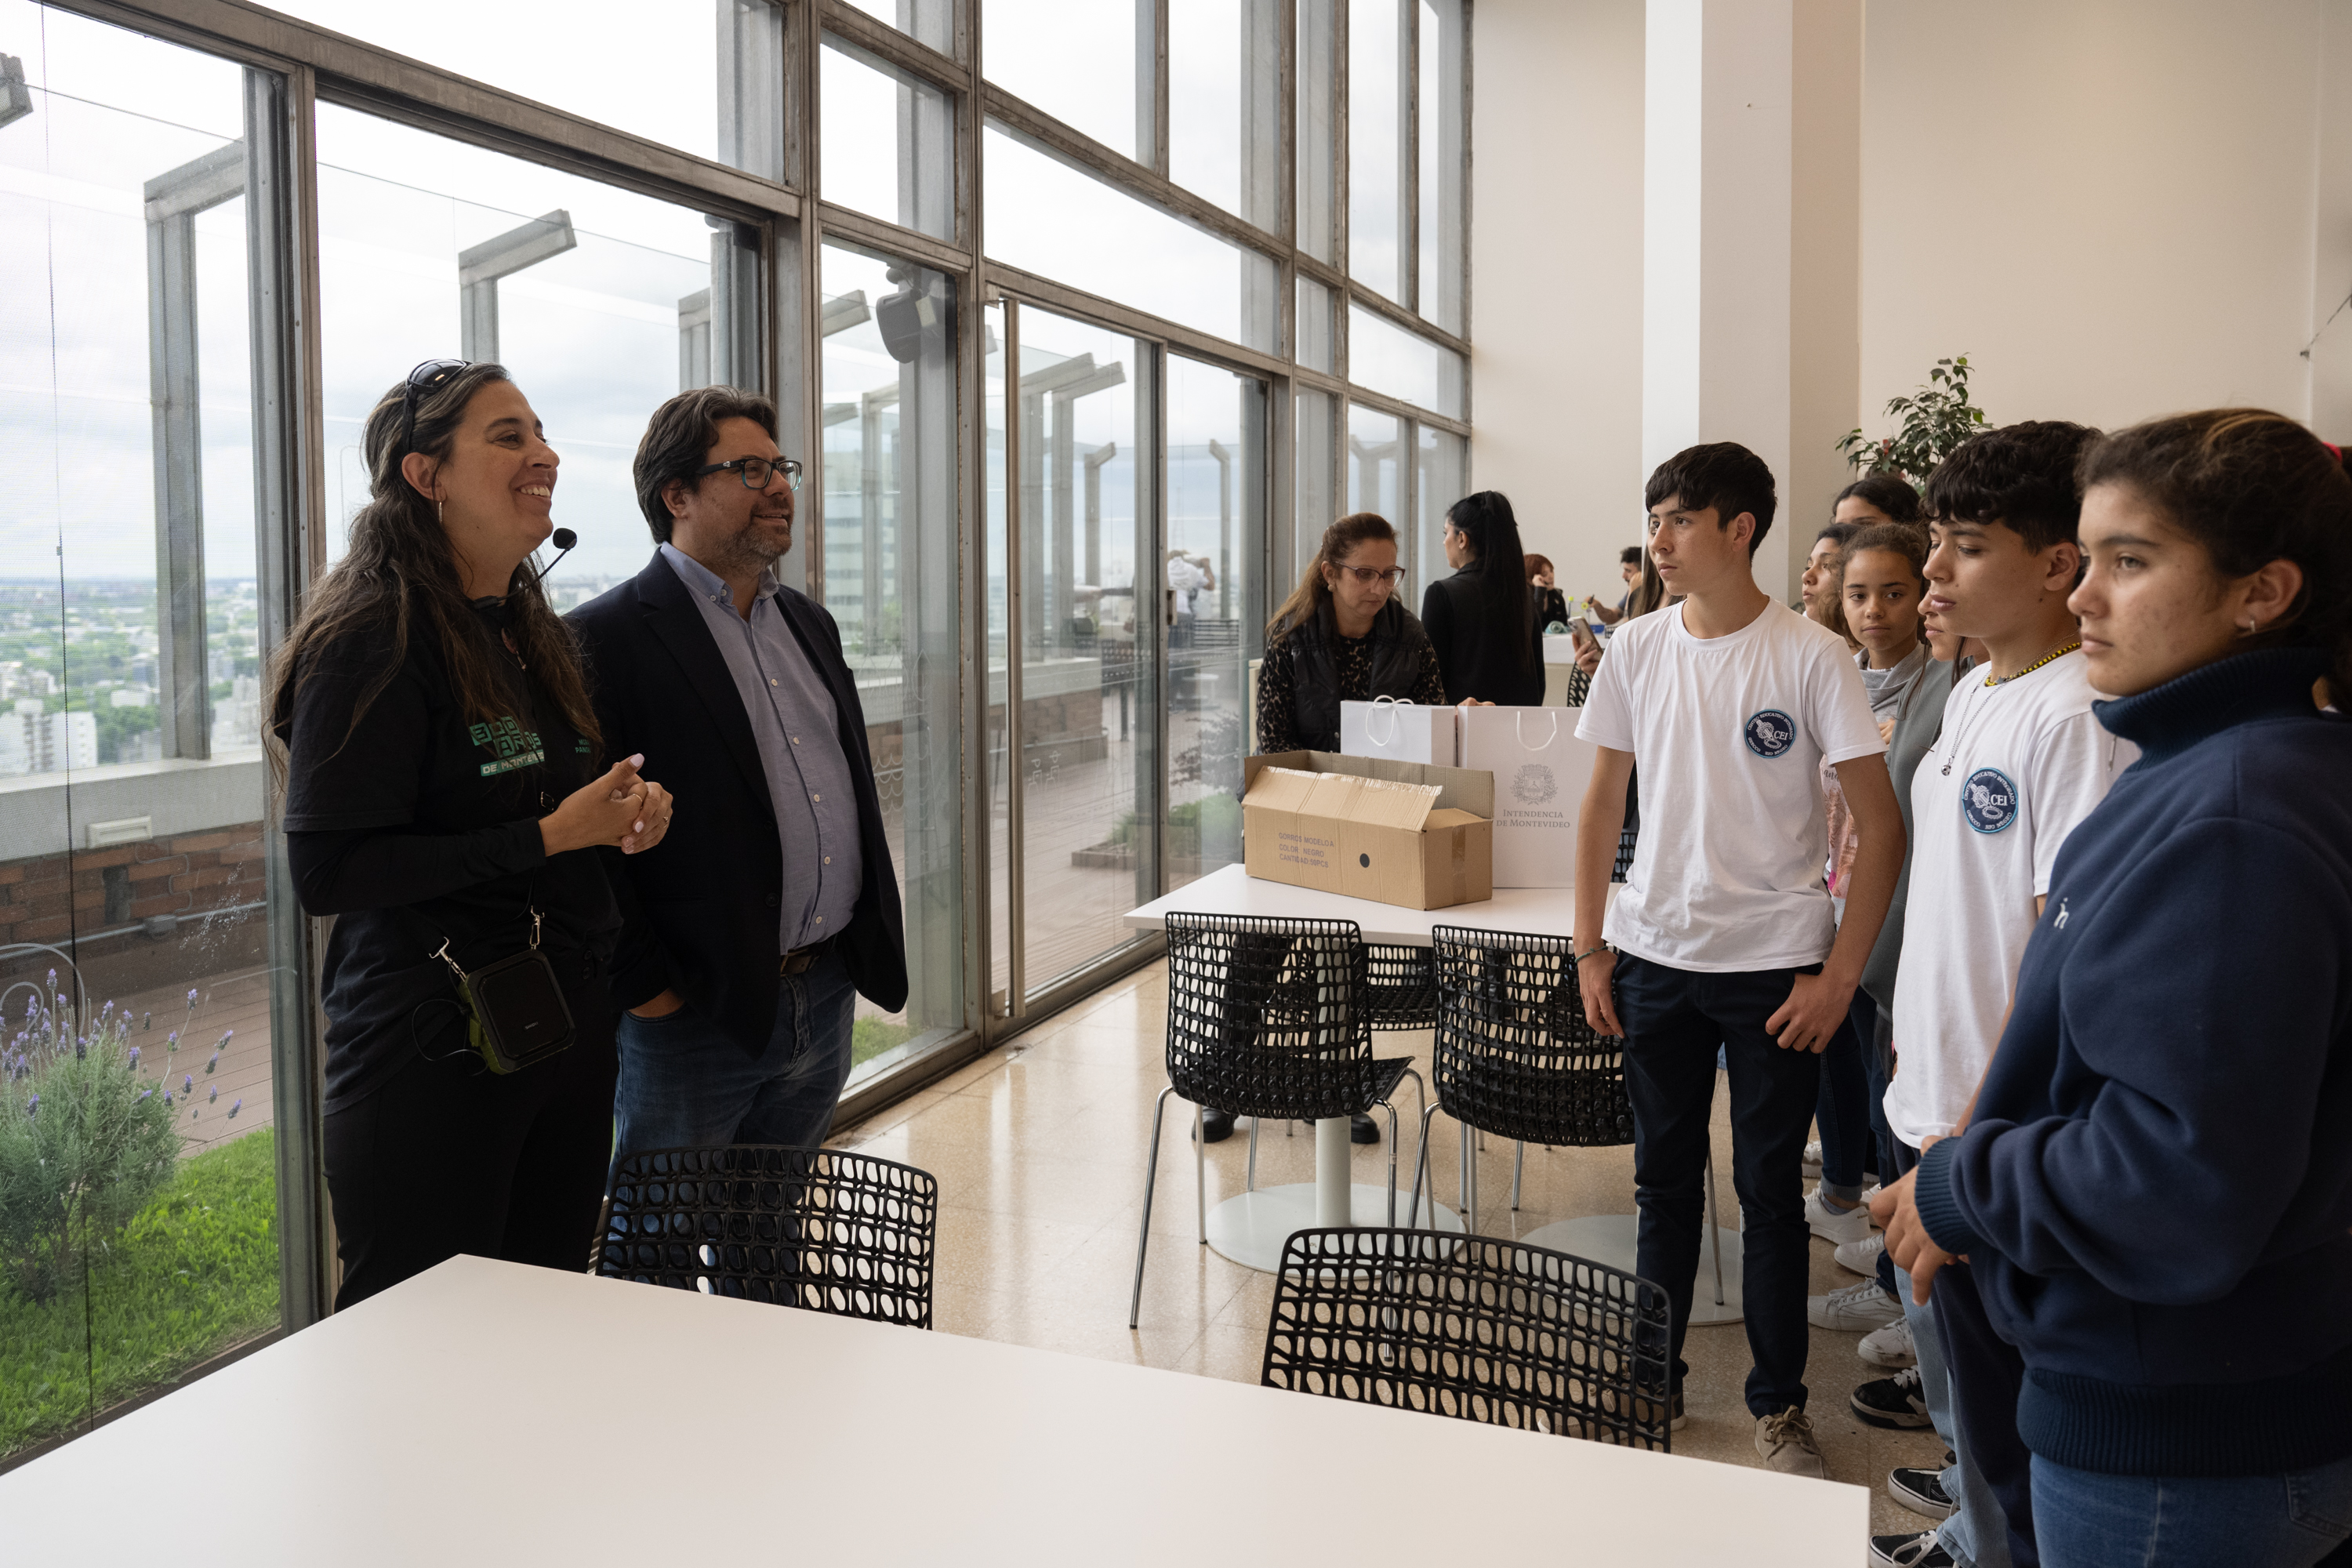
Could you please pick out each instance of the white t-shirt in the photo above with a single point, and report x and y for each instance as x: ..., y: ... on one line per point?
x: 1730, y: 734
x: 2027, y: 761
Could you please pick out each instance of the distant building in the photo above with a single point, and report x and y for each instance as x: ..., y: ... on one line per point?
x: 33, y: 741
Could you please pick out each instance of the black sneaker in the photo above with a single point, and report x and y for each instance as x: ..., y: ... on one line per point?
x: 1216, y: 1126
x: 1892, y: 1401
x: 1921, y: 1491
x: 1920, y: 1550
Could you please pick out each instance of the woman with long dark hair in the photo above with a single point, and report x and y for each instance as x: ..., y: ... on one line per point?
x: 1481, y: 620
x: 2151, y: 1193
x: 1341, y: 637
x: 430, y: 718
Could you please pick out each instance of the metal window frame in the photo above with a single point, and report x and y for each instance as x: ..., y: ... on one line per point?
x: 320, y: 65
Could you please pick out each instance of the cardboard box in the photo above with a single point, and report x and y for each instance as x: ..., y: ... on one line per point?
x: 1398, y: 833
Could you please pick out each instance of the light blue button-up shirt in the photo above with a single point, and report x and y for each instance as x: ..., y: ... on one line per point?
x: 797, y: 729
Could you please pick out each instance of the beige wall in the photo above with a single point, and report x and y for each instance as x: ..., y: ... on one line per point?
x: 2107, y: 205
x: 1555, y: 257
x: 2115, y: 207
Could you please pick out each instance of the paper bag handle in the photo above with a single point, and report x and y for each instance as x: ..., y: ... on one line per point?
x: 1518, y: 722
x: 1393, y: 704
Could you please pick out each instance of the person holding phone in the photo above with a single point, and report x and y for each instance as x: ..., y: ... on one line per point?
x: 431, y: 723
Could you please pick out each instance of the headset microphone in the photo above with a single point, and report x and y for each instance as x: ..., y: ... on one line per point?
x: 564, y: 539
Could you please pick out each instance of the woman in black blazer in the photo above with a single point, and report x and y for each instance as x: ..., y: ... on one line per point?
x: 1481, y: 620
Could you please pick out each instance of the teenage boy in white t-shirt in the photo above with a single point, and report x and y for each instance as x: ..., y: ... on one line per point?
x: 2021, y: 760
x: 1723, y: 935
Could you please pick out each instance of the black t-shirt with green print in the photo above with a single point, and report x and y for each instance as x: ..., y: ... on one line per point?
x: 421, y: 822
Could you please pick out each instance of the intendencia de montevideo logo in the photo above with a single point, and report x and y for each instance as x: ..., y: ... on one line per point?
x: 1771, y: 733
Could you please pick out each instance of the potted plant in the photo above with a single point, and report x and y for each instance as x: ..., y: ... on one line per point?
x: 1934, y: 420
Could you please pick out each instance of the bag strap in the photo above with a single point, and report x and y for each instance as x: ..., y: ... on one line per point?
x: 1518, y: 723
x: 1391, y: 704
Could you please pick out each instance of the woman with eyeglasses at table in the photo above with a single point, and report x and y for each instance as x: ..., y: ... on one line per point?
x: 1342, y: 636
x: 431, y: 725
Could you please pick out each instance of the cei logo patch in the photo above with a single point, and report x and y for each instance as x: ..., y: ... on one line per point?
x: 1771, y: 734
x: 1989, y: 800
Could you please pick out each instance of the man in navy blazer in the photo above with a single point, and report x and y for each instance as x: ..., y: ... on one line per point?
x: 749, y: 932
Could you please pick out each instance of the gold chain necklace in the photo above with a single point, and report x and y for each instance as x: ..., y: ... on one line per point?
x: 1992, y: 680
x: 2055, y: 653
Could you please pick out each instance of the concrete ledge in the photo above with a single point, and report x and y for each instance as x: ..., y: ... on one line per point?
x: 179, y: 796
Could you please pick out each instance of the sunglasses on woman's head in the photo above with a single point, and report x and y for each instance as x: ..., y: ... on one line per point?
x: 423, y: 381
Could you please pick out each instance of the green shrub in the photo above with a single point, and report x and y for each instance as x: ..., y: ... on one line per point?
x: 193, y: 1273
x: 84, y: 1142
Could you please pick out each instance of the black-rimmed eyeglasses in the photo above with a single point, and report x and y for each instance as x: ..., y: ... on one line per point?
x: 755, y: 472
x: 423, y: 381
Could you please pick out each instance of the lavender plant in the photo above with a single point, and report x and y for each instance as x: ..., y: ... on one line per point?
x: 85, y: 1140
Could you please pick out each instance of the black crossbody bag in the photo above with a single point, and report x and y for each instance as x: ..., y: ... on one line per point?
x: 515, y: 1011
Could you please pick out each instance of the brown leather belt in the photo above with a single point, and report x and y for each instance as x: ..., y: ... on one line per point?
x: 798, y: 960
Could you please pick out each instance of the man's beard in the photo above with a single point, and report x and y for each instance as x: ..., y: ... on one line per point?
x: 751, y: 550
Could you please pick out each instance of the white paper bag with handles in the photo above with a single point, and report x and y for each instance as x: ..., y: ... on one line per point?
x: 1540, y: 771
x: 1402, y: 732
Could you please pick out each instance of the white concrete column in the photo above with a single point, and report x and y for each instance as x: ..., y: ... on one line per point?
x: 1732, y: 161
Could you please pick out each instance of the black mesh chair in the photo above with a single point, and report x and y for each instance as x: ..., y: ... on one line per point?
x: 1268, y: 1019
x: 1399, y: 987
x: 1483, y: 1330
x: 1514, y: 1058
x: 820, y: 1229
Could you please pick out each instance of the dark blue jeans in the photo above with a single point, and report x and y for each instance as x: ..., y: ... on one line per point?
x: 2093, y: 1521
x: 1674, y: 1020
x: 1843, y: 1110
x: 683, y: 1084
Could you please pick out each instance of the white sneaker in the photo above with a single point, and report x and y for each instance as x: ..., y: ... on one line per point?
x: 1833, y: 1225
x: 1861, y: 1256
x: 1891, y: 1346
x: 1869, y: 1192
x: 1813, y: 1158
x: 1858, y: 1309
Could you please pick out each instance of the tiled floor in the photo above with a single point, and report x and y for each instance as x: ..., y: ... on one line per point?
x: 1038, y: 1148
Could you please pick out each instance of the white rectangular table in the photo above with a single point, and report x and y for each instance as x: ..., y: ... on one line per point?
x: 490, y: 1413
x: 1229, y: 890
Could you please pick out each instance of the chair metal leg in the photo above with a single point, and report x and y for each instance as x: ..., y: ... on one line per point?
x: 1252, y: 1157
x: 1714, y: 1227
x: 1200, y: 1168
x: 1421, y: 1168
x: 1519, y: 1167
x: 1470, y: 1199
x: 1151, y: 1177
x: 1393, y: 1146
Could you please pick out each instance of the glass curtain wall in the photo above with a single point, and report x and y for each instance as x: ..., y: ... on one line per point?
x: 886, y: 528
x: 149, y: 962
x: 1086, y: 610
x: 1216, y: 596
x: 1042, y: 526
x: 602, y: 304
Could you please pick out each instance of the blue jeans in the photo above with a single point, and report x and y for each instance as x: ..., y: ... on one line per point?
x: 1676, y: 1021
x: 2085, y: 1519
x: 683, y: 1084
x: 1975, y: 1535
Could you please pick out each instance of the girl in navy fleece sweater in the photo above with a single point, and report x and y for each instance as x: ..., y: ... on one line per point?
x: 2155, y: 1183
